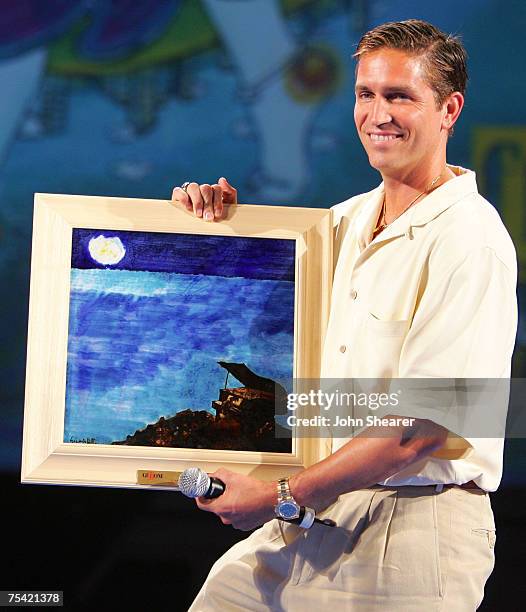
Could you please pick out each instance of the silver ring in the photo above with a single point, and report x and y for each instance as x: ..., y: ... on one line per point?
x: 184, y: 186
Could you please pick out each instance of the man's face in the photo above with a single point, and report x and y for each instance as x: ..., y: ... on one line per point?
x: 396, y: 113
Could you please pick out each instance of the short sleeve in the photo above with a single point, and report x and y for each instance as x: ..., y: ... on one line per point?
x: 465, y: 323
x: 462, y: 337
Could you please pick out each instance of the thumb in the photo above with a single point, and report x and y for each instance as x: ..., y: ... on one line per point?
x: 229, y: 192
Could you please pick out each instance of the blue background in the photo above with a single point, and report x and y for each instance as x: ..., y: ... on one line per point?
x: 131, y: 98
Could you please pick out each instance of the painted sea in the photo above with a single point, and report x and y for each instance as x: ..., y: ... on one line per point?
x: 145, y: 343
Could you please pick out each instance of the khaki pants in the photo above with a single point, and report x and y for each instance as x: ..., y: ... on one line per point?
x: 405, y: 548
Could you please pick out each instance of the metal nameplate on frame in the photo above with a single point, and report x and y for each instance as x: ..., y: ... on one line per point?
x: 158, y: 478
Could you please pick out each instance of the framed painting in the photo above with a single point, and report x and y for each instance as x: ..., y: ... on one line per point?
x: 159, y: 342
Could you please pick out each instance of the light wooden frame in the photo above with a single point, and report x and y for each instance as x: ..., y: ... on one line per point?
x: 46, y: 458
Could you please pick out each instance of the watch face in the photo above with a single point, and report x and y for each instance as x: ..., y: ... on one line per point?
x: 288, y: 510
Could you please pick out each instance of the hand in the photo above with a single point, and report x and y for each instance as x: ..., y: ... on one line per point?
x: 206, y: 201
x: 246, y: 503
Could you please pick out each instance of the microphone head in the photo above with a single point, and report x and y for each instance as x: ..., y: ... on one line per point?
x: 193, y: 482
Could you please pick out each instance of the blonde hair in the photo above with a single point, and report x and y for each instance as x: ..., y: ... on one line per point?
x: 443, y: 56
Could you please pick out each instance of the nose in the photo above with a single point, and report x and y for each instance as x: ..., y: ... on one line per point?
x: 380, y: 111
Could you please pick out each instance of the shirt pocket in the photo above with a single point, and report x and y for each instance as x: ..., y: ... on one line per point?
x: 380, y: 347
x: 381, y: 327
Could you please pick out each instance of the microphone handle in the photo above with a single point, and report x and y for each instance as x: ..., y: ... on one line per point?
x: 215, y: 489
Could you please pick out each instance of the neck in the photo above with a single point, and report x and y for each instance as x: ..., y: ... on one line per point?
x: 401, y: 190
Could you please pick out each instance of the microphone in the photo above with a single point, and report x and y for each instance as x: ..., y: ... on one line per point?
x: 193, y: 482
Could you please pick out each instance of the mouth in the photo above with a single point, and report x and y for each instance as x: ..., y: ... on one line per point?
x: 383, y: 137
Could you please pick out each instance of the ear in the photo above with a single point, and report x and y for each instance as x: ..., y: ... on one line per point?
x: 452, y: 107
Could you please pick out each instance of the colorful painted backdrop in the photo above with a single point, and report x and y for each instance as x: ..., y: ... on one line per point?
x: 129, y: 98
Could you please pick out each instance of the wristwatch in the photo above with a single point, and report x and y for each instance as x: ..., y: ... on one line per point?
x: 287, y: 507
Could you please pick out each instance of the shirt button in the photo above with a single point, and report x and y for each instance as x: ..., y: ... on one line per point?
x: 343, y: 348
x: 354, y: 294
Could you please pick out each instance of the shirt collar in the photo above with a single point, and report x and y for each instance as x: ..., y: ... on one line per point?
x: 464, y: 183
x: 368, y: 216
x: 421, y: 213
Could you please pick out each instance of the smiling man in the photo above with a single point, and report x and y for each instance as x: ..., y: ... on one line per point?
x: 424, y: 287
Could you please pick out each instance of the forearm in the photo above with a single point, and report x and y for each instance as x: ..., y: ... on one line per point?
x: 373, y: 456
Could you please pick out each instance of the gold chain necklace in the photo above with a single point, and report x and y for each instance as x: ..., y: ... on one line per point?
x: 381, y: 225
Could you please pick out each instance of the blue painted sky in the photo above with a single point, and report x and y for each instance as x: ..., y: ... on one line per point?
x: 257, y: 258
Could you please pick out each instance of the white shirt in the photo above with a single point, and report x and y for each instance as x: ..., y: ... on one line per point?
x: 432, y: 296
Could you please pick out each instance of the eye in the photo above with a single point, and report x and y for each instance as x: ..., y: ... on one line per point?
x: 365, y: 95
x: 399, y: 95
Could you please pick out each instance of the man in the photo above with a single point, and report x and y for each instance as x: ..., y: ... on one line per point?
x: 424, y: 287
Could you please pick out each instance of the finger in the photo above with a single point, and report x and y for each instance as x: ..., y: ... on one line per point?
x: 229, y: 192
x: 208, y: 198
x: 196, y: 198
x: 179, y: 196
x: 221, y: 473
x: 203, y: 503
x: 218, y: 201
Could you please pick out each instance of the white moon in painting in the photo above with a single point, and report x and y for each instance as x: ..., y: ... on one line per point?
x: 107, y: 251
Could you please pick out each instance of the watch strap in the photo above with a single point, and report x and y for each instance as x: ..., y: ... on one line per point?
x: 308, y: 518
x: 284, y: 493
